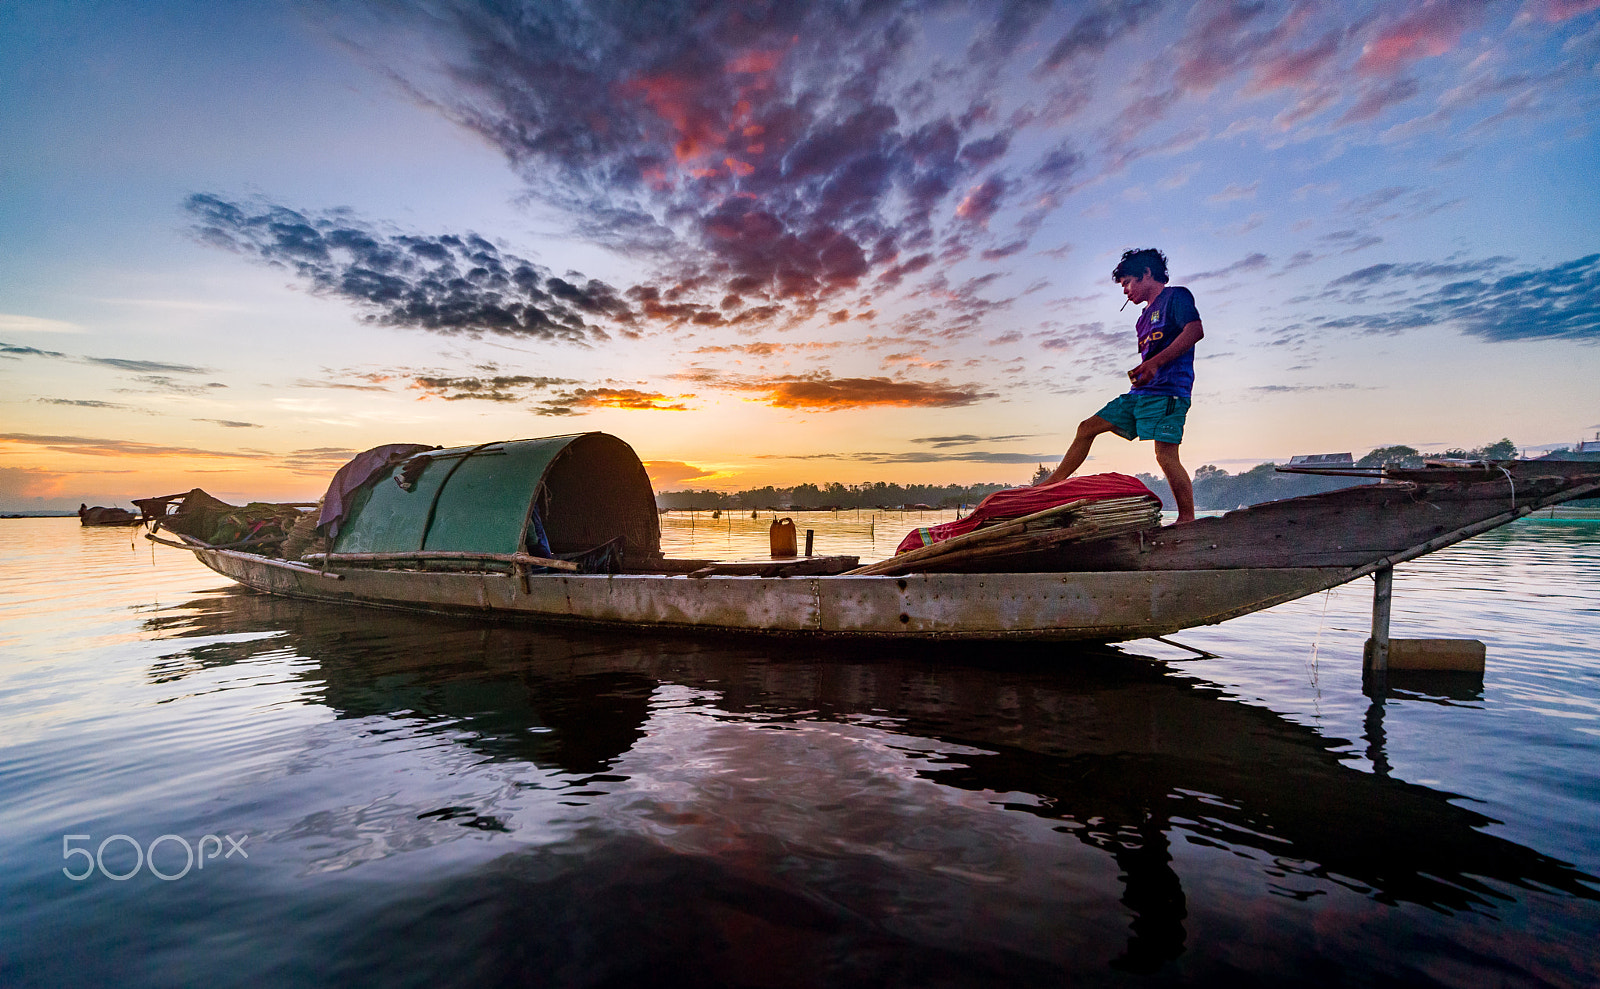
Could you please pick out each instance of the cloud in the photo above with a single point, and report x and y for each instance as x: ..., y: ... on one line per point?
x: 928, y: 457
x: 1235, y: 192
x: 780, y: 157
x: 84, y: 403
x: 15, y: 323
x: 1556, y: 11
x: 375, y: 383
x: 96, y: 447
x: 1373, y: 274
x: 821, y: 392
x: 494, y: 388
x: 170, y: 385
x: 232, y: 423
x: 148, y: 367
x: 445, y: 283
x: 1429, y: 30
x: 966, y: 439
x: 1252, y: 262
x: 579, y: 400
x: 1298, y: 389
x: 664, y: 472
x: 16, y: 351
x: 1093, y: 32
x: 1556, y: 303
x: 318, y: 461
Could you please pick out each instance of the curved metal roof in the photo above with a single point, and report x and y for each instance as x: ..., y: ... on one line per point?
x: 590, y: 488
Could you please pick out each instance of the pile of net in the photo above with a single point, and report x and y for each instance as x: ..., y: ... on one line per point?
x: 261, y: 527
x: 1022, y: 521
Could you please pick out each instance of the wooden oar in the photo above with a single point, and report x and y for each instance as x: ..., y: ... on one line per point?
x: 444, y: 554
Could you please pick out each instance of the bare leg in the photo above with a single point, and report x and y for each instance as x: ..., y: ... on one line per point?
x: 1078, y: 452
x: 1178, y: 478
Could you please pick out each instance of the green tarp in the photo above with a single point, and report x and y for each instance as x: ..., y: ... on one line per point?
x: 590, y: 488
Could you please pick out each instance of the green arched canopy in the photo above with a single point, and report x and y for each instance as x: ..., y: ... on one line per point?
x: 589, y: 488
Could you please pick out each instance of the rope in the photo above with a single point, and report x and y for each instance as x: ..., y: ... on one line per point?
x: 433, y: 506
x: 1317, y: 642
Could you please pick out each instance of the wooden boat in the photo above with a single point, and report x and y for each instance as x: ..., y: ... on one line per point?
x: 450, y: 531
x: 99, y: 515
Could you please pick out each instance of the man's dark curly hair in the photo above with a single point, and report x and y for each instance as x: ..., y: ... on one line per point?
x: 1136, y: 261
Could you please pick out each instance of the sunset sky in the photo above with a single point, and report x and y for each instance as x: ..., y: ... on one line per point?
x: 769, y: 243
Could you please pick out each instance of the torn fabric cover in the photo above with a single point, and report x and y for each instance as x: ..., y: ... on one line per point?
x: 353, y: 475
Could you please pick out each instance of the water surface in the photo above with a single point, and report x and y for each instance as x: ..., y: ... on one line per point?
x: 449, y: 802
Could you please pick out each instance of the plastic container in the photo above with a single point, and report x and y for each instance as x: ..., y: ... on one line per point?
x: 782, y: 536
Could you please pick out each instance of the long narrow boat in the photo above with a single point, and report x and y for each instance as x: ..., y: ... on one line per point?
x: 452, y: 531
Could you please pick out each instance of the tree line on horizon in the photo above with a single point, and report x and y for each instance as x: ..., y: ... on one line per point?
x: 1214, y: 488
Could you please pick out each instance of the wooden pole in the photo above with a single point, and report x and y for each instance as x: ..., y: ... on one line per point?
x: 1382, y: 598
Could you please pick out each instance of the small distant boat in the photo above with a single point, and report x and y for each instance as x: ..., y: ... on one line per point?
x: 106, y: 516
x: 565, y: 529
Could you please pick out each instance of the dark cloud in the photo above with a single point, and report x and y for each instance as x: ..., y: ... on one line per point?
x: 232, y: 423
x: 1377, y: 98
x: 1297, y: 389
x: 966, y: 439
x: 493, y: 388
x: 779, y: 154
x: 445, y: 283
x: 97, y: 447
x: 1373, y: 274
x: 928, y: 457
x: 770, y: 162
x: 147, y: 367
x: 84, y: 403
x: 15, y: 351
x: 1557, y: 303
x: 170, y: 385
x: 1252, y: 262
x: 155, y: 371
x: 1096, y: 29
x: 821, y: 392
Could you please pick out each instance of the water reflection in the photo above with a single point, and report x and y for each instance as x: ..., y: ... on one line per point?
x: 1123, y: 755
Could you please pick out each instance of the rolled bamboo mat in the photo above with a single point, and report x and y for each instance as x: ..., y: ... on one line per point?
x: 1076, y: 521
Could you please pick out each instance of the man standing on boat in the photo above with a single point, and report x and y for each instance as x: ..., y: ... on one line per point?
x: 1155, y: 407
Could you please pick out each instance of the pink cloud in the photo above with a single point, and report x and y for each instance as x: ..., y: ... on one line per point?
x: 1428, y: 32
x: 1556, y: 11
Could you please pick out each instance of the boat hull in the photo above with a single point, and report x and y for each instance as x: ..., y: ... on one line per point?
x: 1103, y: 607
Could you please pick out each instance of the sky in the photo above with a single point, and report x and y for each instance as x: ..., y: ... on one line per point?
x: 785, y: 242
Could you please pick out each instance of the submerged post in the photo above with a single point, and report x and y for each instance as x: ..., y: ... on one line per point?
x: 1382, y: 597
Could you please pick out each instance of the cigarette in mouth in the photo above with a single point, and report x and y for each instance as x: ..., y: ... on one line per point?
x: 1125, y: 304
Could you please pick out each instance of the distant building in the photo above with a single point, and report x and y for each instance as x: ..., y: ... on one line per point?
x: 1585, y: 450
x: 1322, y: 460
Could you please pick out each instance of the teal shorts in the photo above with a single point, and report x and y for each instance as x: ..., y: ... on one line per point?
x: 1147, y: 417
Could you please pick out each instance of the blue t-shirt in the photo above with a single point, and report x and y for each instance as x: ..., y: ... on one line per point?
x: 1164, y: 318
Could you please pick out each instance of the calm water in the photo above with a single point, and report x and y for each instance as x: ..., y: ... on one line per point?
x: 413, y: 801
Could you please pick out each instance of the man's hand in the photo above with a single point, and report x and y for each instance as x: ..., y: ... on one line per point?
x: 1143, y: 374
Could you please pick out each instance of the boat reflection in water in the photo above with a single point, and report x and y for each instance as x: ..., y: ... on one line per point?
x: 743, y: 807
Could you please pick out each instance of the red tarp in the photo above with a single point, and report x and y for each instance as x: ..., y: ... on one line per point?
x: 1017, y: 502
